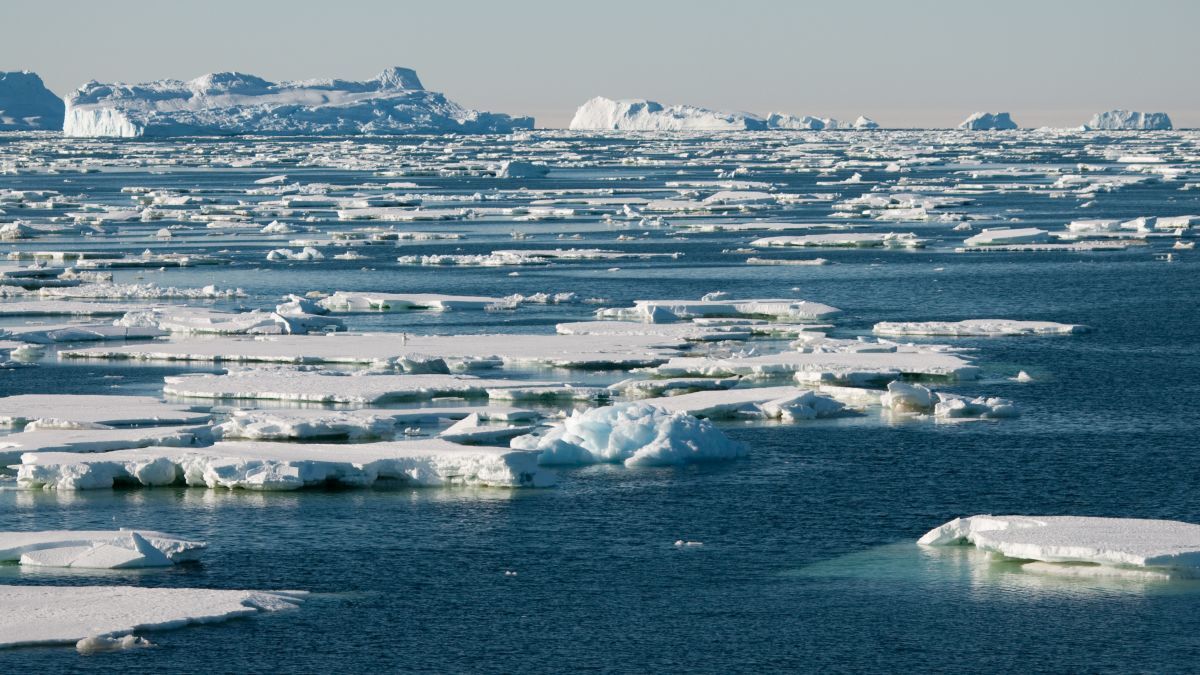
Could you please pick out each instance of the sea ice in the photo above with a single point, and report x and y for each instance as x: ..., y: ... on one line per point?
x: 976, y: 327
x: 97, y: 549
x: 260, y: 465
x: 844, y: 240
x: 74, y: 411
x: 42, y: 615
x: 666, y: 311
x: 1117, y: 542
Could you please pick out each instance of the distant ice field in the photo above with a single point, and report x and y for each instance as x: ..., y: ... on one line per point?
x: 804, y: 552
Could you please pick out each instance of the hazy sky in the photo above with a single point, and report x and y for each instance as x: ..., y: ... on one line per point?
x: 914, y: 63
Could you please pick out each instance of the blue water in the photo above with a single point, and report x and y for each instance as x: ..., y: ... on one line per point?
x: 807, y: 561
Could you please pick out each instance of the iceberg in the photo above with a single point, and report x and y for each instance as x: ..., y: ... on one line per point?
x: 45, y: 615
x: 636, y: 434
x: 986, y: 121
x: 1111, y: 542
x: 262, y: 465
x: 1122, y: 120
x: 27, y: 105
x: 605, y: 114
x: 97, y: 549
x: 976, y: 327
x: 225, y: 104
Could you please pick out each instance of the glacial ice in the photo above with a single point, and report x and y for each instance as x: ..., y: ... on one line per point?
x: 222, y: 104
x: 97, y: 549
x: 1122, y: 120
x: 599, y: 114
x: 1112, y: 542
x: 27, y: 105
x: 976, y: 327
x: 44, y: 615
x: 986, y: 121
x: 636, y: 434
x: 261, y: 465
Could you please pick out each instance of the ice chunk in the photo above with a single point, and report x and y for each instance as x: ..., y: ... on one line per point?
x: 601, y: 114
x: 278, y: 425
x: 908, y: 397
x: 96, y: 644
x: 1113, y: 120
x: 1120, y: 542
x: 107, y: 549
x: 221, y: 104
x: 636, y: 434
x: 986, y: 121
x: 258, y: 465
x: 974, y: 327
x: 343, y: 301
x: 43, y: 615
x: 844, y: 240
x: 27, y: 105
x: 788, y: 403
x: 663, y: 311
x: 1004, y: 235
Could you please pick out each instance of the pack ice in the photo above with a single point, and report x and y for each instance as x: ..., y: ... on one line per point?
x: 45, y: 615
x: 223, y: 104
x: 97, y: 549
x: 27, y: 105
x: 261, y: 465
x: 986, y: 121
x: 976, y: 327
x: 1166, y: 545
x: 1128, y: 120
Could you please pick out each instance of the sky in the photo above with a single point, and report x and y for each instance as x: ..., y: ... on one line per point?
x: 914, y: 63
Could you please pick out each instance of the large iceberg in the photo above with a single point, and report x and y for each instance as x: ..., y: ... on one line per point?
x: 224, y: 104
x: 27, y: 105
x: 986, y: 121
x: 1125, y: 120
x: 639, y: 114
x: 600, y: 114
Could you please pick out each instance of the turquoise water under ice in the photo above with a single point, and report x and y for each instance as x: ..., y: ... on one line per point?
x: 808, y: 561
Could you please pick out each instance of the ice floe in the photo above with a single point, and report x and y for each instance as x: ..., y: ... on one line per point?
x: 46, y: 615
x: 976, y: 327
x: 1165, y: 545
x: 97, y: 549
x: 68, y: 411
x: 844, y: 240
x: 262, y: 465
x: 666, y: 311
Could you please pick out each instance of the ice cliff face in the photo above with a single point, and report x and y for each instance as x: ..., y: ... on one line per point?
x: 27, y: 105
x: 1116, y: 120
x: 985, y: 121
x: 605, y: 114
x: 222, y: 104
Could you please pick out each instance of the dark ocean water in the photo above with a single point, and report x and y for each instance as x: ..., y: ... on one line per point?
x: 808, y: 560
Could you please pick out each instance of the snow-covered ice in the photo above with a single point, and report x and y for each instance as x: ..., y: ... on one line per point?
x: 1118, y: 542
x: 45, y: 615
x: 261, y: 465
x: 599, y: 114
x: 97, y: 549
x: 976, y: 327
x: 82, y: 410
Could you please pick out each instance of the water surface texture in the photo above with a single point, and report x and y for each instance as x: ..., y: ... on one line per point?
x: 809, y: 559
